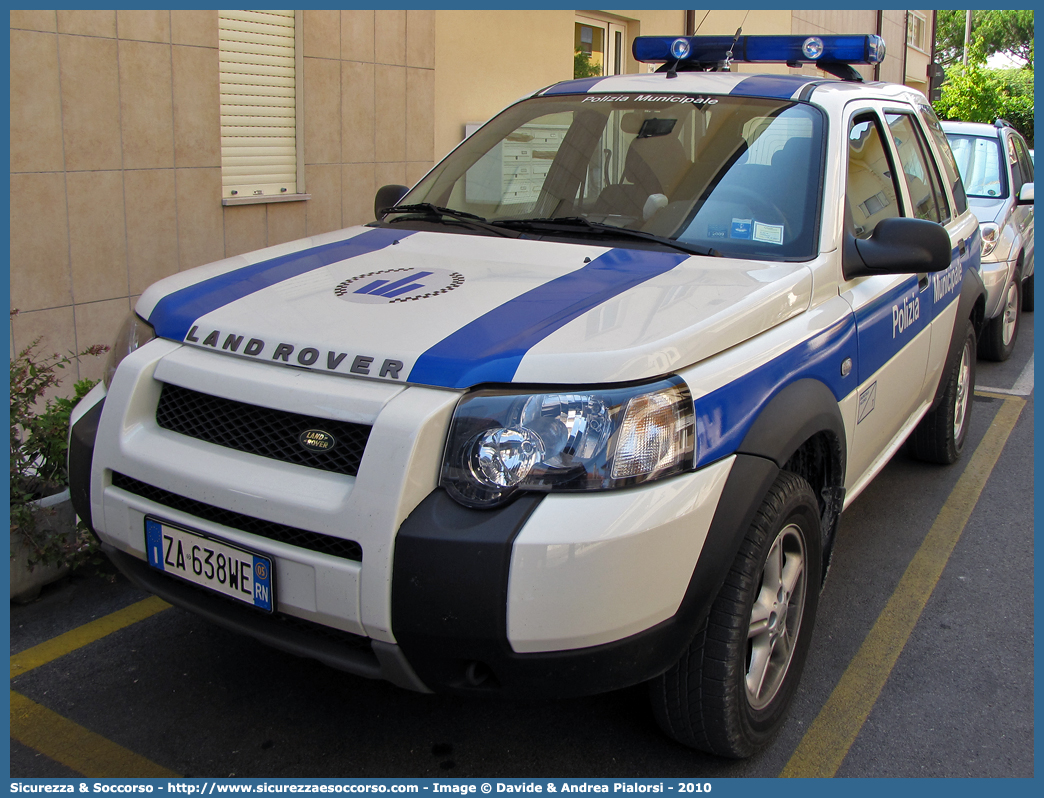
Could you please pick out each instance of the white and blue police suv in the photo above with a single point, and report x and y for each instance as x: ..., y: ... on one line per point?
x: 582, y: 409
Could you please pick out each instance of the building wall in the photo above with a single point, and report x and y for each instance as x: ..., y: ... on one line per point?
x: 116, y: 153
x: 917, y: 61
x: 489, y: 59
x: 893, y: 29
x: 902, y: 64
x: 115, y: 133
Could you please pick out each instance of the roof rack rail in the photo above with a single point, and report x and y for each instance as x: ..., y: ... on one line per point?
x: 1002, y: 123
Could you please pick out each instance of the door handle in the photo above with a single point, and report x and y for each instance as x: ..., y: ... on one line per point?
x: 960, y: 247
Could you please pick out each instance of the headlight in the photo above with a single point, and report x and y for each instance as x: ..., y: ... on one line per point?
x: 501, y: 442
x: 133, y: 334
x: 990, y: 237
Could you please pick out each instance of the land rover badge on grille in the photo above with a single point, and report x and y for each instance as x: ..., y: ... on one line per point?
x: 317, y: 440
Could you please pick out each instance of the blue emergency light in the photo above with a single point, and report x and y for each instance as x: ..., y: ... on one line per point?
x: 710, y: 50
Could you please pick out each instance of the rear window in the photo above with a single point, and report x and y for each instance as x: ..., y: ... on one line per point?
x: 979, y: 162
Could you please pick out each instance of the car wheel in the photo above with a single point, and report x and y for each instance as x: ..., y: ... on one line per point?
x: 940, y: 436
x: 1000, y: 332
x: 729, y: 692
x: 1027, y: 295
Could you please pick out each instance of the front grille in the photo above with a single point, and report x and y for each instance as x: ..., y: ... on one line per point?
x: 260, y: 430
x: 302, y: 538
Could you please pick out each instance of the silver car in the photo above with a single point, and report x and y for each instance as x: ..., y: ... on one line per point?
x: 996, y: 166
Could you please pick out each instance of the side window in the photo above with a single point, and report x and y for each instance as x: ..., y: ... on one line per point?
x: 925, y: 191
x: 1015, y: 167
x: 931, y: 121
x: 870, y: 193
x: 1025, y: 162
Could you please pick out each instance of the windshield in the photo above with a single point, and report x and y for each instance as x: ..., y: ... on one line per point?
x: 978, y: 161
x: 737, y: 174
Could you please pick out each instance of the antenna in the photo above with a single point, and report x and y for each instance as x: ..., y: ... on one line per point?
x: 728, y: 56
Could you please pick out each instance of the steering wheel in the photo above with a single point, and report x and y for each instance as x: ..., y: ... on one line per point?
x: 761, y: 207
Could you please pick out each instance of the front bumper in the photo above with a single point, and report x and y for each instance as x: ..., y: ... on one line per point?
x: 549, y: 595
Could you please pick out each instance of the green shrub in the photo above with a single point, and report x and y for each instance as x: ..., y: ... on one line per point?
x: 39, y: 444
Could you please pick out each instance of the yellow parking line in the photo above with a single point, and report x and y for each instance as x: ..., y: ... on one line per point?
x: 827, y: 741
x: 72, y: 745
x: 992, y: 394
x: 77, y: 638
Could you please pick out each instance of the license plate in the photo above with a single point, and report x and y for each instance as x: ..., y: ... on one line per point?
x: 203, y: 560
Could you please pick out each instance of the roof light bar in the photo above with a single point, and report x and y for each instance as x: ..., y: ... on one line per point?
x: 844, y: 49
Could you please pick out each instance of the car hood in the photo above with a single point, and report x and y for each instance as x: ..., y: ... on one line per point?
x: 989, y: 210
x: 453, y: 310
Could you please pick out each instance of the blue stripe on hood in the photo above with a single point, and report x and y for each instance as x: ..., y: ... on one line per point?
x: 490, y: 348
x: 175, y: 313
x: 781, y: 87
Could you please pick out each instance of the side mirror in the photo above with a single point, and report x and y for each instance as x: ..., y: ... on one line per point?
x: 387, y: 197
x: 1026, y: 194
x: 898, y: 246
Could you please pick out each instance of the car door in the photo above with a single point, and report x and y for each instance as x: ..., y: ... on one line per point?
x: 892, y: 319
x: 1022, y: 167
x: 922, y: 173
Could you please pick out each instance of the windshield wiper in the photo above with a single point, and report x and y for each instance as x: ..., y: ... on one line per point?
x: 571, y: 223
x: 439, y: 214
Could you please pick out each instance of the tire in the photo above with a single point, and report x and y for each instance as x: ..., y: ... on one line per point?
x: 711, y: 698
x: 1000, y: 333
x: 1027, y: 295
x: 940, y: 436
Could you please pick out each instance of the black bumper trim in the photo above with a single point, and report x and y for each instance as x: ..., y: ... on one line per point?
x: 449, y: 598
x: 81, y: 455
x: 341, y: 650
x: 270, y: 530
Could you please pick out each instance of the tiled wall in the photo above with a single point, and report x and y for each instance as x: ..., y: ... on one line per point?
x: 115, y: 153
x: 893, y: 28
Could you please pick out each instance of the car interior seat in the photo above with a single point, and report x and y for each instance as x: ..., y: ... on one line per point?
x: 654, y: 165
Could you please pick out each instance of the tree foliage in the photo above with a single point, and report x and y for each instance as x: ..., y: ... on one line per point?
x: 1016, y: 91
x: 582, y: 66
x: 1008, y: 32
x: 978, y: 94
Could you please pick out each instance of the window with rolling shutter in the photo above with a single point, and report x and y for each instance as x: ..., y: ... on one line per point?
x: 260, y: 135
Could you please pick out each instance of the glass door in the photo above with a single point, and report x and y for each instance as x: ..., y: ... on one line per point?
x: 599, y: 48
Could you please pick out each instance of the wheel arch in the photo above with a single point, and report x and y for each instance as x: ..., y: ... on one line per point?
x: 1020, y: 264
x: 1023, y: 264
x: 801, y: 430
x: 971, y: 305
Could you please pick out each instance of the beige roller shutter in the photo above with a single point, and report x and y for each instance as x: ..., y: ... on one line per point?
x: 259, y: 105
